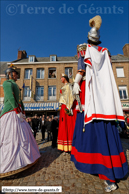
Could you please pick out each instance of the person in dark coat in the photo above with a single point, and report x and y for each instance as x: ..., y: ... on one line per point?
x: 48, y: 127
x: 35, y: 124
x: 43, y: 127
x: 54, y: 126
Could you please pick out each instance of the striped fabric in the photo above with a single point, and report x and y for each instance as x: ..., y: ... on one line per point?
x: 18, y: 147
x: 98, y: 150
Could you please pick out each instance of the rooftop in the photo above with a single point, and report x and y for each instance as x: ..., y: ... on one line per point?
x: 3, y: 64
x: 119, y: 57
x: 47, y: 59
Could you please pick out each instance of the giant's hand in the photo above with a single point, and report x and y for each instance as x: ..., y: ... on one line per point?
x: 20, y: 116
x: 24, y: 116
x: 76, y: 87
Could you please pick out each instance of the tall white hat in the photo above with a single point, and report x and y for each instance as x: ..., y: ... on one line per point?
x: 94, y: 33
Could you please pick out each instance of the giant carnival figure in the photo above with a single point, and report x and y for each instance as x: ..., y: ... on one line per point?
x: 18, y: 148
x: 67, y: 116
x: 96, y: 147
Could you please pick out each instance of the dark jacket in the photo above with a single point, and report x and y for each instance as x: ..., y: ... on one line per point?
x: 54, y: 125
x: 43, y: 126
x: 35, y: 123
x: 48, y: 126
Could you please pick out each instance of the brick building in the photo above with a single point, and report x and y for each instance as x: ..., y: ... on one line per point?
x: 39, y: 79
x: 120, y: 65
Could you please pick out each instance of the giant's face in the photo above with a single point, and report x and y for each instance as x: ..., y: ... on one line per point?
x: 15, y: 76
x: 62, y: 79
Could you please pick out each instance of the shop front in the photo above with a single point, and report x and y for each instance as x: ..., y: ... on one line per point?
x: 125, y: 106
x: 40, y: 109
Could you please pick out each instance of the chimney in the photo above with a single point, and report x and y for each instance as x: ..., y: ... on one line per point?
x: 21, y: 54
x: 126, y: 50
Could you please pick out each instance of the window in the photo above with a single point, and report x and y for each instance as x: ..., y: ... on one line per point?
x: 123, y: 92
x: 52, y: 73
x: 51, y: 92
x: 120, y: 72
x: 40, y: 73
x: 53, y: 58
x: 39, y: 92
x: 31, y: 58
x: 69, y: 72
x: 28, y: 72
x: 26, y: 93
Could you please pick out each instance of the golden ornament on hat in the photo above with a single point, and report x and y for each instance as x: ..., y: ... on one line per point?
x: 95, y: 22
x: 12, y: 66
x: 63, y: 75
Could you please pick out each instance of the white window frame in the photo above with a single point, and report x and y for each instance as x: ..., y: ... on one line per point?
x: 122, y: 89
x: 68, y: 69
x: 31, y: 59
x: 29, y: 73
x: 39, y: 97
x: 41, y: 73
x: 120, y: 72
x: 28, y: 96
x: 53, y: 57
x: 54, y: 70
x: 52, y: 97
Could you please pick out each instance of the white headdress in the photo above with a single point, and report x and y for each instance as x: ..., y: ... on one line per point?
x: 94, y: 33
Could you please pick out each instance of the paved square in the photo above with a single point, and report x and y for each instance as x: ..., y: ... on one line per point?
x: 54, y: 168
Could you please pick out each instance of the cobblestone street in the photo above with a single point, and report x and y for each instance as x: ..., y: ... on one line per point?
x: 55, y: 169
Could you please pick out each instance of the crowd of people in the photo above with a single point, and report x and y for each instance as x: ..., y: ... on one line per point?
x: 48, y: 124
x: 123, y: 127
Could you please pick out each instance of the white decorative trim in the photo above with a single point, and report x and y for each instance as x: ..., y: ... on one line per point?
x: 50, y: 62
